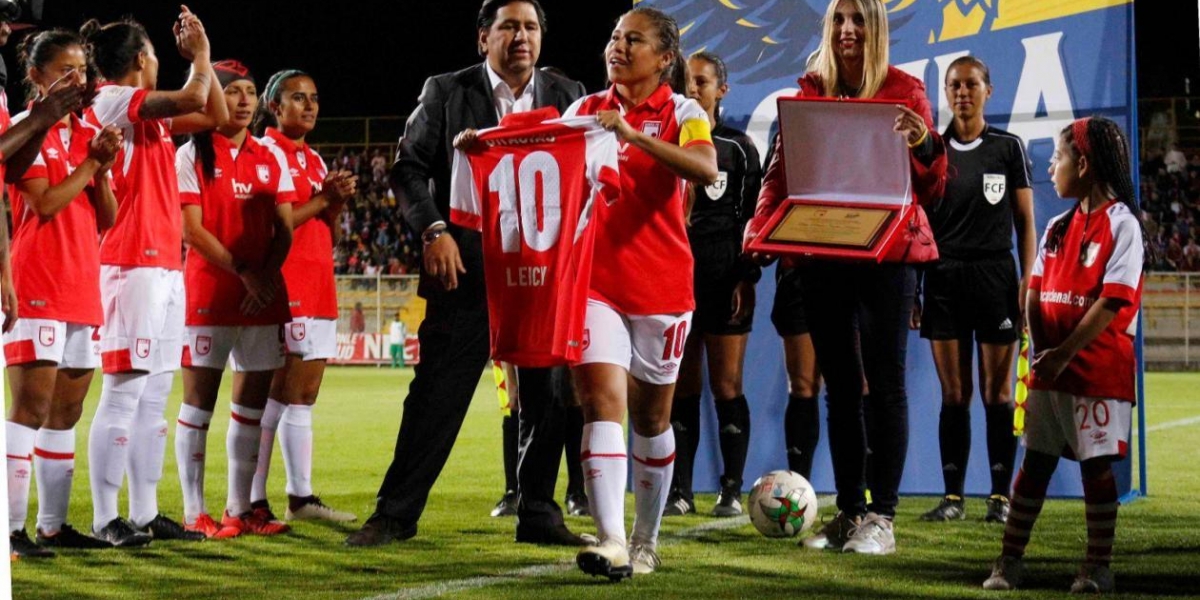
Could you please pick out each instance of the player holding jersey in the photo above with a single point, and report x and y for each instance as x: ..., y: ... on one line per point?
x: 287, y: 112
x: 237, y: 221
x: 141, y: 340
x: 724, y: 282
x: 972, y: 294
x: 59, y: 204
x: 1083, y: 301
x: 640, y: 307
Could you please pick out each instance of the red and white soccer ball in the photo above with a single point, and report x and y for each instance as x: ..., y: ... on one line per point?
x: 782, y: 504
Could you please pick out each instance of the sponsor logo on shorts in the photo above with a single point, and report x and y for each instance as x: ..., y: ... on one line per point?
x: 22, y: 473
x: 203, y: 345
x: 669, y: 367
x: 1006, y: 324
x: 297, y: 331
x: 264, y: 173
x: 142, y: 348
x: 592, y: 474
x: 198, y: 457
x: 46, y: 335
x: 1099, y: 436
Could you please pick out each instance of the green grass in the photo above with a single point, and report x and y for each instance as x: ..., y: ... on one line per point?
x: 1158, y: 545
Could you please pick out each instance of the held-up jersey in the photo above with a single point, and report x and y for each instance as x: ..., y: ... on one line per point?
x: 308, y: 270
x: 56, y: 261
x: 535, y: 189
x: 1100, y: 256
x: 647, y: 260
x: 238, y: 205
x: 720, y: 210
x: 149, y: 228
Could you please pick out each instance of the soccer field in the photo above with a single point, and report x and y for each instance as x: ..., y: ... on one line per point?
x: 460, y: 551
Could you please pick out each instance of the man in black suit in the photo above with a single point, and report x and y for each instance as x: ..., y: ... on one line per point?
x: 454, y: 336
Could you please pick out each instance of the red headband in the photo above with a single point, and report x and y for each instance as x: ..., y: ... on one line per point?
x: 1079, y: 130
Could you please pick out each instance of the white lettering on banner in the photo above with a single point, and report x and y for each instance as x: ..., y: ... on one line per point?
x: 1065, y: 298
x: 372, y: 347
x: 526, y: 277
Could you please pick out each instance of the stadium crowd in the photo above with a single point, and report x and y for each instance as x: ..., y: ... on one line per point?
x: 1171, y: 207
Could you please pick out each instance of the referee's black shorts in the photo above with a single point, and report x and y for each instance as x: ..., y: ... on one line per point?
x: 787, y: 314
x: 977, y: 298
x: 718, y: 271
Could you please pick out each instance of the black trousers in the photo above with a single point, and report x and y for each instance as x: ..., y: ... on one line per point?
x: 858, y: 316
x: 454, y: 352
x: 544, y: 396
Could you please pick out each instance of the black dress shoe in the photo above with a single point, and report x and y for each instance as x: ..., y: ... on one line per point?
x: 380, y: 530
x: 557, y: 535
x: 578, y: 505
x: 507, y: 506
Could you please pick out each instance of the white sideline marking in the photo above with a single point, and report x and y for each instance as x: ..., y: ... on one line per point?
x: 1174, y: 424
x: 435, y: 590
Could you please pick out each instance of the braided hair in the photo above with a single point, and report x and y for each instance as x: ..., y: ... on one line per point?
x: 1107, y: 150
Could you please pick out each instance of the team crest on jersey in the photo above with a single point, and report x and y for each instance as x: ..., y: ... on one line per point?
x: 203, y: 345
x: 717, y: 189
x: 142, y: 348
x: 993, y: 187
x: 297, y: 331
x: 1090, y: 254
x: 264, y: 173
x: 46, y: 335
x: 652, y: 128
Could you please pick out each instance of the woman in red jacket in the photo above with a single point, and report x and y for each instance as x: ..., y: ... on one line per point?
x: 858, y: 312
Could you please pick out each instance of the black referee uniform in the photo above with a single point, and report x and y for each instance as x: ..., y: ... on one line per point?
x: 971, y: 293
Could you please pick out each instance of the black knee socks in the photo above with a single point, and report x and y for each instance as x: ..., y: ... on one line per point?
x: 1002, y: 446
x: 574, y: 442
x: 511, y: 426
x: 733, y: 425
x: 802, y: 431
x: 685, y: 422
x: 954, y: 432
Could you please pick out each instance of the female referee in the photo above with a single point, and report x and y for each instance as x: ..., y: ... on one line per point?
x: 640, y: 305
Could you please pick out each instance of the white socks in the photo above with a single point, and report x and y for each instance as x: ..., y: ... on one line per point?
x: 147, y: 448
x: 109, y: 442
x: 653, y: 465
x: 54, y: 462
x: 604, y: 463
x: 191, y: 440
x: 296, y: 440
x: 20, y: 469
x: 241, y: 446
x: 266, y: 444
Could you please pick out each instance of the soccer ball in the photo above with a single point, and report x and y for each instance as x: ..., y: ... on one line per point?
x: 782, y: 504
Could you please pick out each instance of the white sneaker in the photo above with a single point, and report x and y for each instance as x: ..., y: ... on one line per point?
x: 1007, y: 574
x: 314, y: 509
x: 873, y: 536
x: 608, y: 559
x: 644, y: 558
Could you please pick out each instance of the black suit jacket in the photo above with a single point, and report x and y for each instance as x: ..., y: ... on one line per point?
x: 420, y: 177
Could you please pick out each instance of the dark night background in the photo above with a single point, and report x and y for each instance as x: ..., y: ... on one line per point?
x: 370, y: 58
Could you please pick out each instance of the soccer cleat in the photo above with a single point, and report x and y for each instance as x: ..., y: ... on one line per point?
x: 949, y: 509
x: 577, y: 505
x: 643, y: 558
x: 608, y: 559
x: 729, y: 503
x: 69, y: 537
x: 834, y: 534
x: 1007, y: 574
x: 22, y: 547
x: 162, y: 527
x: 379, y: 530
x: 211, y: 529
x: 260, y: 521
x: 311, y: 508
x: 507, y: 506
x: 121, y: 534
x: 997, y: 509
x: 873, y: 536
x: 1093, y: 579
x: 677, y: 506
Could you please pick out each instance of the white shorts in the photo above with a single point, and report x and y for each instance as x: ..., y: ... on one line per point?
x: 246, y: 349
x: 1076, y: 427
x: 650, y: 347
x: 311, y: 338
x: 144, y: 311
x: 71, y: 345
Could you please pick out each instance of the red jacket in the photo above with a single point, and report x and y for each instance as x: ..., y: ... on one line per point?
x: 928, y: 181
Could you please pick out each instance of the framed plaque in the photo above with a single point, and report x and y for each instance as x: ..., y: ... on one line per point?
x: 831, y: 225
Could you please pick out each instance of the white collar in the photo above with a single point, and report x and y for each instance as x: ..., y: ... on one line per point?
x: 498, y: 84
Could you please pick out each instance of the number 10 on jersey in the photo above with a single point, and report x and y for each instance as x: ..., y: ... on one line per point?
x: 522, y: 208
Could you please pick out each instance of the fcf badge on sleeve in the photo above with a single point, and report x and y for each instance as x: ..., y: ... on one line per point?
x: 993, y: 187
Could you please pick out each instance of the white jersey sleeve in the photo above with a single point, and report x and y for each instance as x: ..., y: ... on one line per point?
x: 1124, y: 267
x: 185, y: 171
x: 285, y: 183
x: 466, y: 207
x: 112, y: 106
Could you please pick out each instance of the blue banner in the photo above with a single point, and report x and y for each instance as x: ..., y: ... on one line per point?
x: 1051, y: 62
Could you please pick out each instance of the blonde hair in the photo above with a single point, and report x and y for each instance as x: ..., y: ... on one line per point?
x: 875, y: 49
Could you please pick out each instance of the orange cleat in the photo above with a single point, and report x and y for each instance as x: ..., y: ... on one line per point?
x: 206, y: 525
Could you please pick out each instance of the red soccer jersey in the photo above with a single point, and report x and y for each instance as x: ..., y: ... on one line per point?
x: 308, y: 271
x: 5, y: 123
x: 149, y: 229
x: 239, y: 210
x: 644, y: 261
x: 56, y: 261
x: 533, y: 188
x: 1100, y: 256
